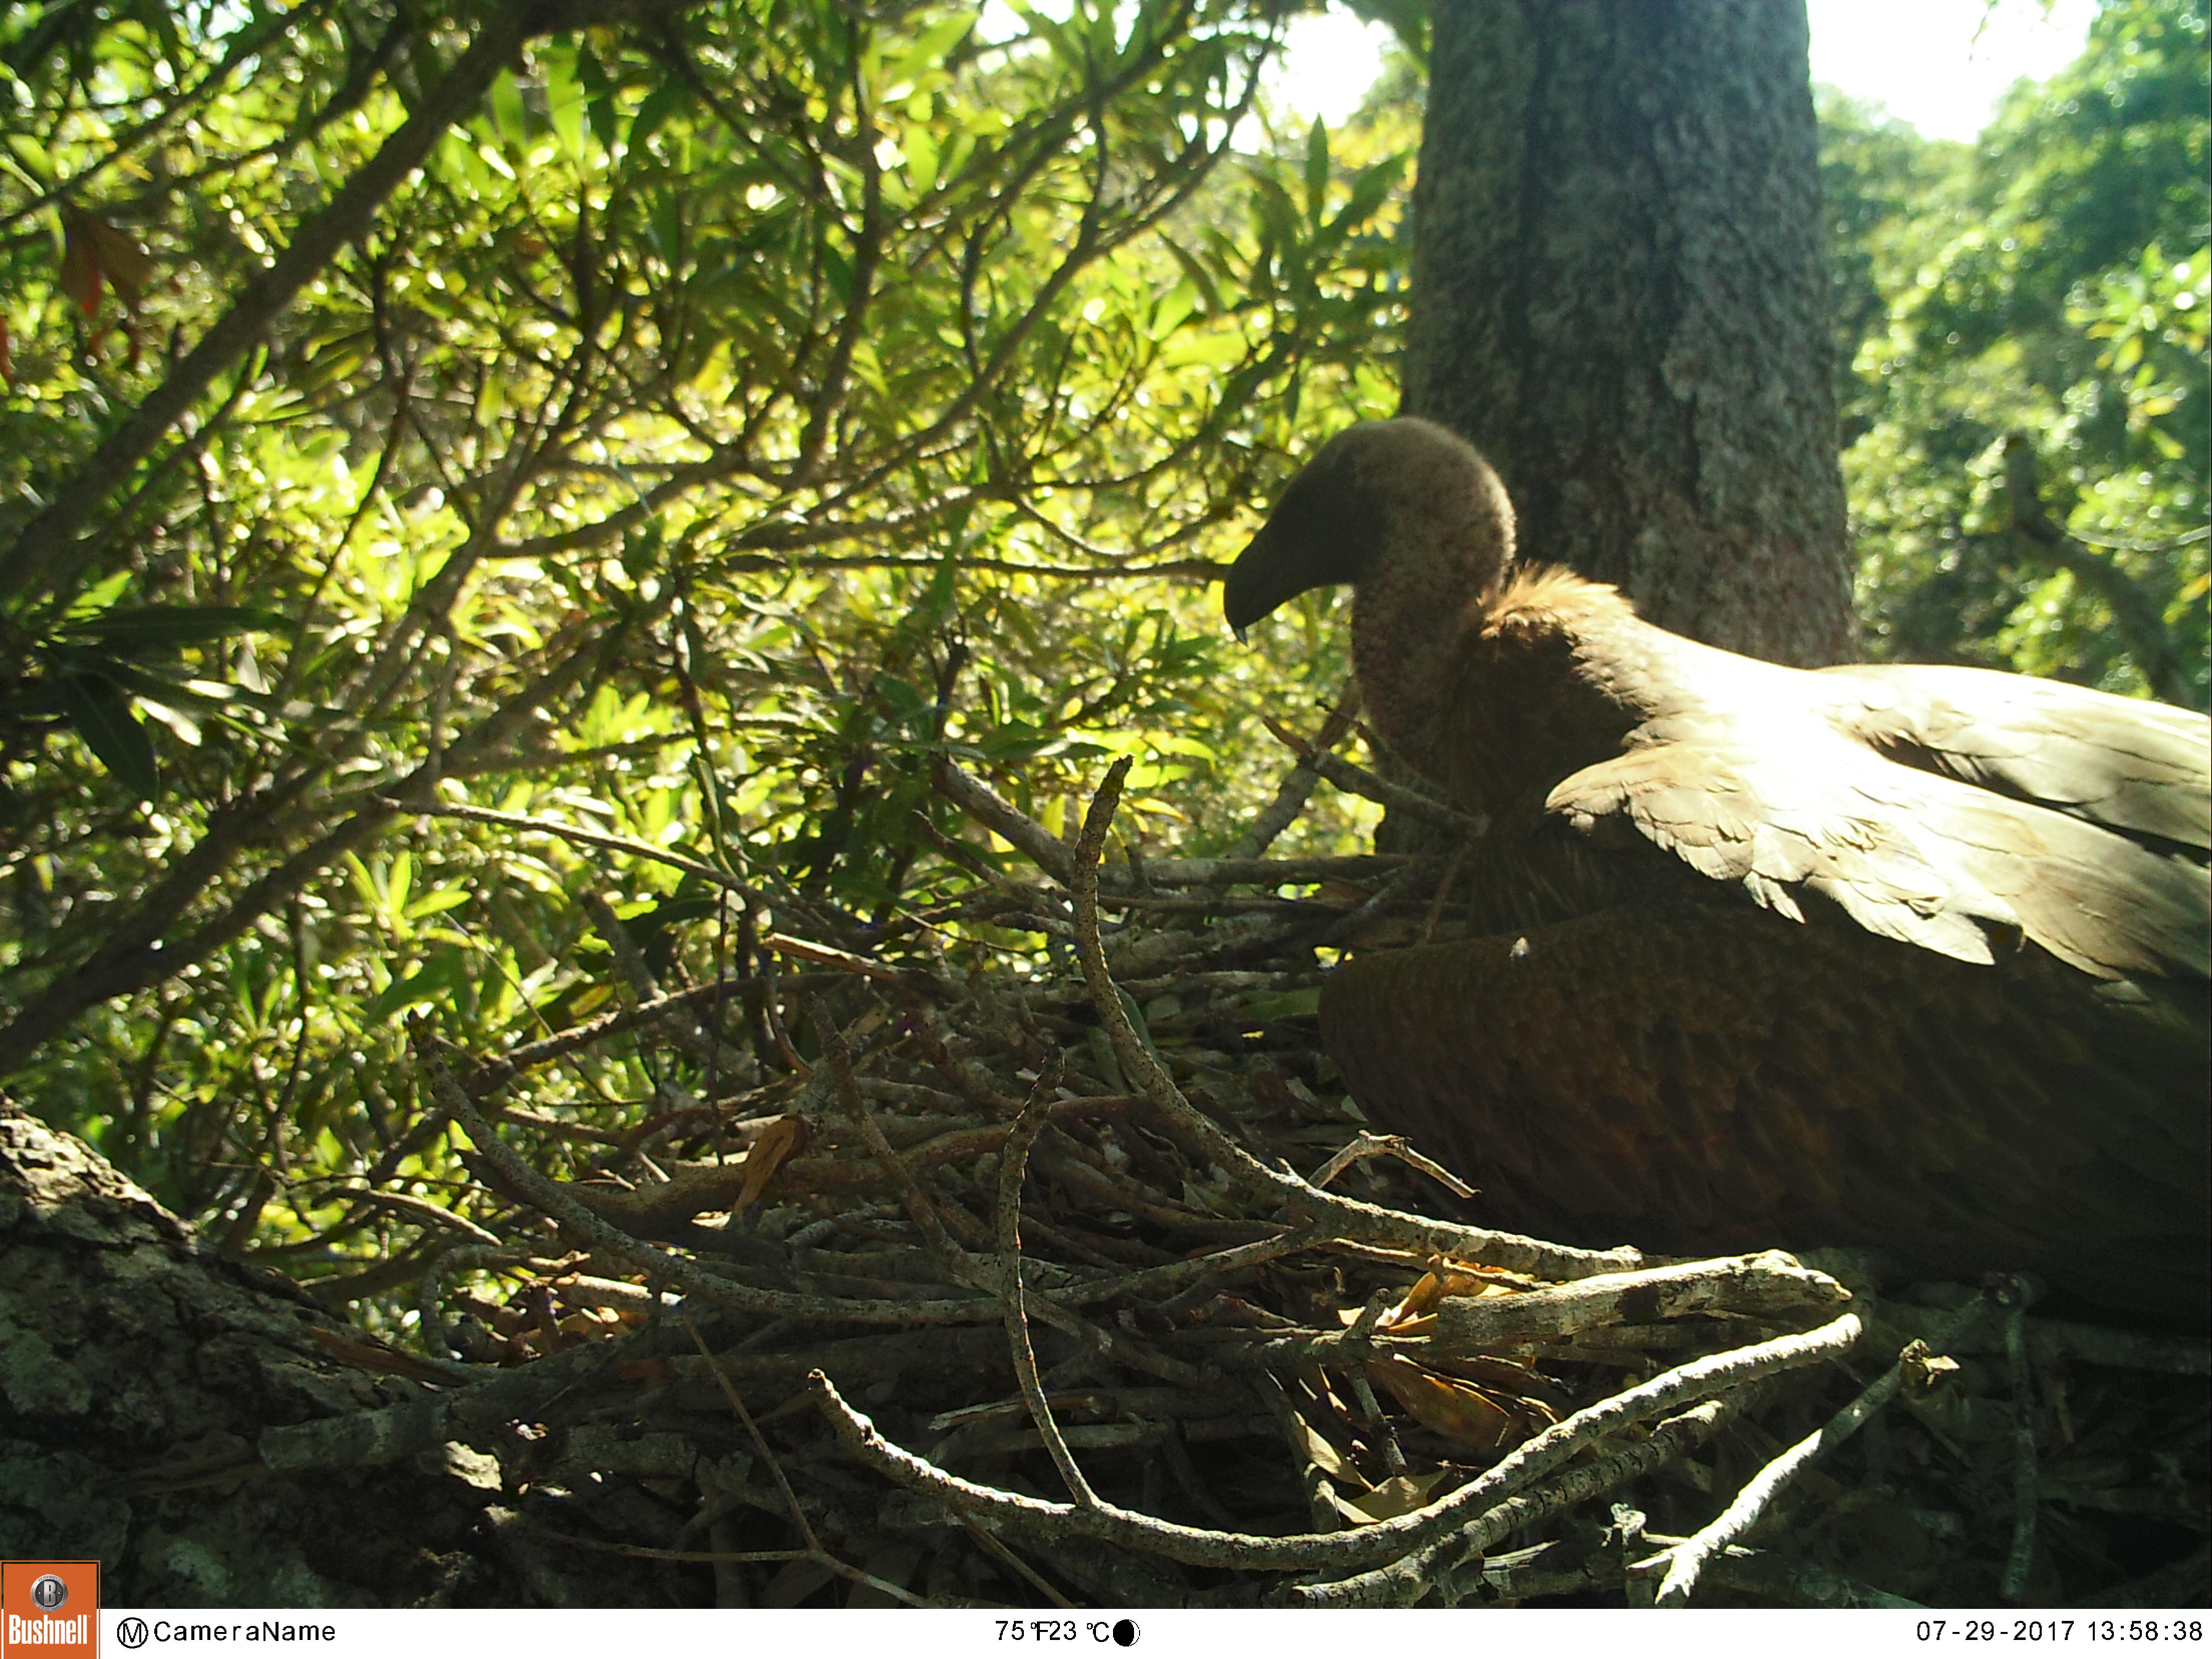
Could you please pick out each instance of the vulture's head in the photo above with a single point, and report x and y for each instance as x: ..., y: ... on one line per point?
x: 1380, y: 487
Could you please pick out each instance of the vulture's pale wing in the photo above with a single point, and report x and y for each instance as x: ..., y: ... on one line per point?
x: 2130, y: 765
x: 1781, y: 810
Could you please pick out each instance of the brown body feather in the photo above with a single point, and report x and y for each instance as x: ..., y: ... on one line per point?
x: 1910, y: 956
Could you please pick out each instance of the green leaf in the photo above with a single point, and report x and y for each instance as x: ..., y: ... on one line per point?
x: 446, y: 972
x: 663, y: 101
x: 1198, y: 273
x: 99, y: 597
x: 176, y: 624
x: 102, y: 717
x: 600, y: 92
x: 931, y: 45
x: 1370, y: 188
x: 508, y: 118
x: 1316, y: 169
x: 565, y: 100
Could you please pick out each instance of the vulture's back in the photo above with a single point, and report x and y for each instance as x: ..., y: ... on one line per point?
x: 1697, y: 1077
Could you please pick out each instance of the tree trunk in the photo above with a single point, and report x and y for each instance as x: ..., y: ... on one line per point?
x: 1621, y: 294
x: 141, y: 1378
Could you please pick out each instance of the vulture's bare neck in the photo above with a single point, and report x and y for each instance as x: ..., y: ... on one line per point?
x: 1496, y: 681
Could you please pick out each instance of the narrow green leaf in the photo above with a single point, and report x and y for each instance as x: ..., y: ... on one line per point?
x: 102, y: 594
x: 1370, y: 190
x: 446, y: 972
x: 565, y: 100
x: 102, y: 717
x: 509, y: 119
x: 176, y: 624
x: 1316, y: 170
x: 1199, y: 275
x: 663, y: 101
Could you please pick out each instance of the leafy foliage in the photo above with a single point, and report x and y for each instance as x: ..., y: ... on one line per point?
x: 2049, y: 282
x: 746, y: 403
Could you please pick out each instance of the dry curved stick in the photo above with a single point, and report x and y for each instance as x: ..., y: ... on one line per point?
x: 1436, y: 1567
x: 995, y: 812
x: 430, y: 1291
x: 1690, y: 1557
x: 499, y: 1396
x: 1337, y: 1552
x: 418, y: 1210
x: 1368, y: 1144
x: 1177, y: 1277
x: 1298, y: 1437
x: 494, y: 1075
x: 1349, y: 925
x: 1297, y: 788
x: 1011, y: 1171
x: 1357, y: 779
x: 575, y: 834
x: 951, y: 1257
x: 815, y: 1549
x: 1051, y: 854
x: 1795, y: 1583
x: 1370, y: 1221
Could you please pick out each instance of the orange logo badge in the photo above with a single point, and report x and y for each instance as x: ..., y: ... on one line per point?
x: 49, y: 1609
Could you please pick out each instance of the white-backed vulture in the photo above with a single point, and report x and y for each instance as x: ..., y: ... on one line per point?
x: 1907, y: 956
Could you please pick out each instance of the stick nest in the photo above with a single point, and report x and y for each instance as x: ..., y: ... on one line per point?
x: 1089, y: 1286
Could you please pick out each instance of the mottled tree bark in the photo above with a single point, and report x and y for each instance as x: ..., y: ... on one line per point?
x: 1620, y: 295
x: 141, y: 1373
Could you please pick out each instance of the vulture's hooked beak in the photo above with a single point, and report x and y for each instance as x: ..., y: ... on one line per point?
x: 1255, y: 584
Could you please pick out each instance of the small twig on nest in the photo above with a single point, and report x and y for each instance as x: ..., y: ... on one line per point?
x: 575, y: 835
x: 952, y: 1259
x: 1313, y: 1480
x: 815, y: 1550
x: 1178, y: 1276
x: 495, y: 1074
x: 908, y: 979
x: 689, y: 1275
x: 995, y: 812
x: 1801, y: 1583
x: 992, y: 1547
x: 1769, y: 1282
x: 1689, y: 1558
x: 430, y: 1293
x: 1350, y: 924
x: 1443, y: 892
x: 417, y: 1209
x: 1355, y: 779
x: 1441, y: 1564
x: 1013, y: 1167
x: 1367, y: 1144
x: 1297, y: 788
